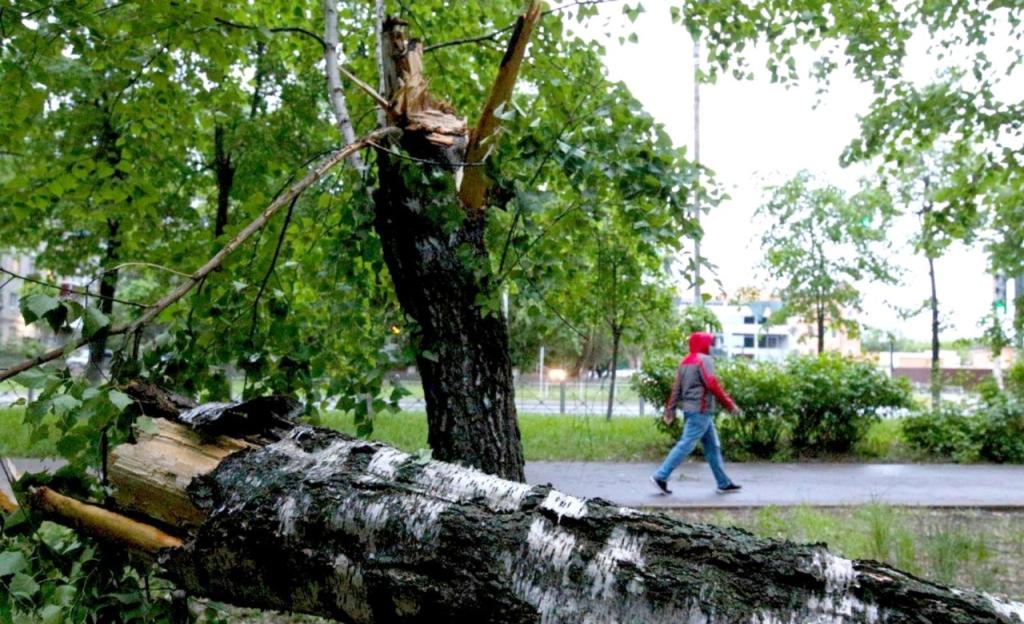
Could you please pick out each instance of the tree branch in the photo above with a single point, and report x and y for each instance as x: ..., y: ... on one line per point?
x: 277, y: 29
x: 85, y: 293
x: 101, y: 523
x: 214, y: 262
x: 494, y: 35
x: 273, y: 264
x: 474, y: 182
x: 335, y: 91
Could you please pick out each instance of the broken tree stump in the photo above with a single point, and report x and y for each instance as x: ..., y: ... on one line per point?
x: 321, y: 523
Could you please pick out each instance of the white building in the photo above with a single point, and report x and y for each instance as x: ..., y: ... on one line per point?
x: 747, y: 333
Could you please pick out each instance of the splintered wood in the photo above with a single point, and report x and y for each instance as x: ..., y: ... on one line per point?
x: 151, y: 476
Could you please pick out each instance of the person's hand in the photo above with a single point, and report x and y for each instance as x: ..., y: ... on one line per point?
x: 668, y: 417
x: 738, y: 412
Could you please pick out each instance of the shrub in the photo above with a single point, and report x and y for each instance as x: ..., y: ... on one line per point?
x: 948, y: 431
x: 1013, y: 380
x: 836, y: 400
x: 764, y: 392
x: 994, y: 432
x: 822, y: 403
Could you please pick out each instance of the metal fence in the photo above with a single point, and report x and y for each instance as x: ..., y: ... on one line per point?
x: 571, y: 397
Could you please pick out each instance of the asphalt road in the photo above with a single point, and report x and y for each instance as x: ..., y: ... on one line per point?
x: 820, y: 485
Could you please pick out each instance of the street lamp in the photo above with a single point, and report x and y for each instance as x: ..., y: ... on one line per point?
x: 559, y: 376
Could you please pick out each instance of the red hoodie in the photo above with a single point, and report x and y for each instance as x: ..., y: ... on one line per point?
x: 696, y: 386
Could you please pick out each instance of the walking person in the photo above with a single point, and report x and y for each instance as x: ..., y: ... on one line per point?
x: 697, y: 391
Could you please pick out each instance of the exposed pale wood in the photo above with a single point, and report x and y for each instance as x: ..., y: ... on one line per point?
x: 474, y: 185
x: 100, y: 523
x: 418, y: 113
x: 6, y: 504
x: 151, y: 476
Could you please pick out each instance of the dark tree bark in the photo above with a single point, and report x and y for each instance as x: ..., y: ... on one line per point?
x: 821, y: 328
x: 321, y: 523
x: 108, y: 289
x: 111, y: 152
x: 616, y: 340
x: 435, y: 252
x: 224, y: 169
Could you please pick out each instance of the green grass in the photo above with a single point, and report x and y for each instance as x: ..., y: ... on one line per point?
x: 969, y: 548
x: 884, y: 440
x: 545, y: 437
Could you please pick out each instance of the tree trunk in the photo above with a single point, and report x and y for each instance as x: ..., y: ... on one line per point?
x: 438, y: 261
x: 616, y: 339
x: 936, y: 381
x: 321, y: 523
x: 108, y: 289
x: 821, y: 330
x: 225, y: 171
x: 1018, y: 311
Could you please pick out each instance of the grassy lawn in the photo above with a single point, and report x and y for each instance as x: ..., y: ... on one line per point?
x: 545, y: 437
x: 968, y: 548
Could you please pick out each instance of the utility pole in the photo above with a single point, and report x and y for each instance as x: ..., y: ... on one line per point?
x: 697, y: 299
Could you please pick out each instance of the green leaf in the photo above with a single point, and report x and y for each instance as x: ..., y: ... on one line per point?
x: 94, y: 321
x: 146, y: 425
x: 64, y: 403
x: 11, y: 562
x: 34, y: 378
x: 23, y: 586
x: 70, y: 445
x: 120, y: 400
x: 52, y: 614
x: 429, y: 355
x: 35, y: 307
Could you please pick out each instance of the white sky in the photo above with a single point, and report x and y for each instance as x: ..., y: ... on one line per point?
x: 755, y: 133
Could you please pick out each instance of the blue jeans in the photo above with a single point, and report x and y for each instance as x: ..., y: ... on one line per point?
x: 696, y: 426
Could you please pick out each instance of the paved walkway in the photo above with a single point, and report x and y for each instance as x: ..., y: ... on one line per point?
x: 818, y: 485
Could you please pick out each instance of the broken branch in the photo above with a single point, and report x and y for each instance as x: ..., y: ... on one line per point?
x: 100, y: 523
x: 474, y: 183
x: 214, y: 262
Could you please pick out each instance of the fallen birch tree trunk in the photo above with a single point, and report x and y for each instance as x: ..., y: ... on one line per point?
x: 306, y: 519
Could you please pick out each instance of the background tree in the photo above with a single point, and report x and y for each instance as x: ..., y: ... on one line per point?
x: 819, y: 246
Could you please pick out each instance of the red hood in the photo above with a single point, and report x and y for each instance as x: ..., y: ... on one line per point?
x: 700, y: 342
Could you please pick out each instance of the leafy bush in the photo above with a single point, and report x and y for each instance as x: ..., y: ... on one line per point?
x: 822, y: 404
x: 764, y: 391
x: 993, y: 432
x: 1013, y: 380
x: 837, y: 398
x: 948, y: 431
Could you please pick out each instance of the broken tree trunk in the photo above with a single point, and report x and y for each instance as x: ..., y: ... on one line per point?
x: 321, y: 523
x: 435, y: 251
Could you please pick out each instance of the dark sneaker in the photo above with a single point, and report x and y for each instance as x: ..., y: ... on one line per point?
x: 662, y: 485
x: 732, y: 488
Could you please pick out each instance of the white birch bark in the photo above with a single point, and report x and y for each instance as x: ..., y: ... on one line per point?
x: 335, y: 90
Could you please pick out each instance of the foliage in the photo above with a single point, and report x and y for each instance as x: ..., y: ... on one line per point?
x: 992, y: 432
x: 699, y: 319
x: 765, y: 392
x: 820, y: 245
x: 836, y: 399
x: 873, y: 340
x: 807, y: 405
x: 49, y: 574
